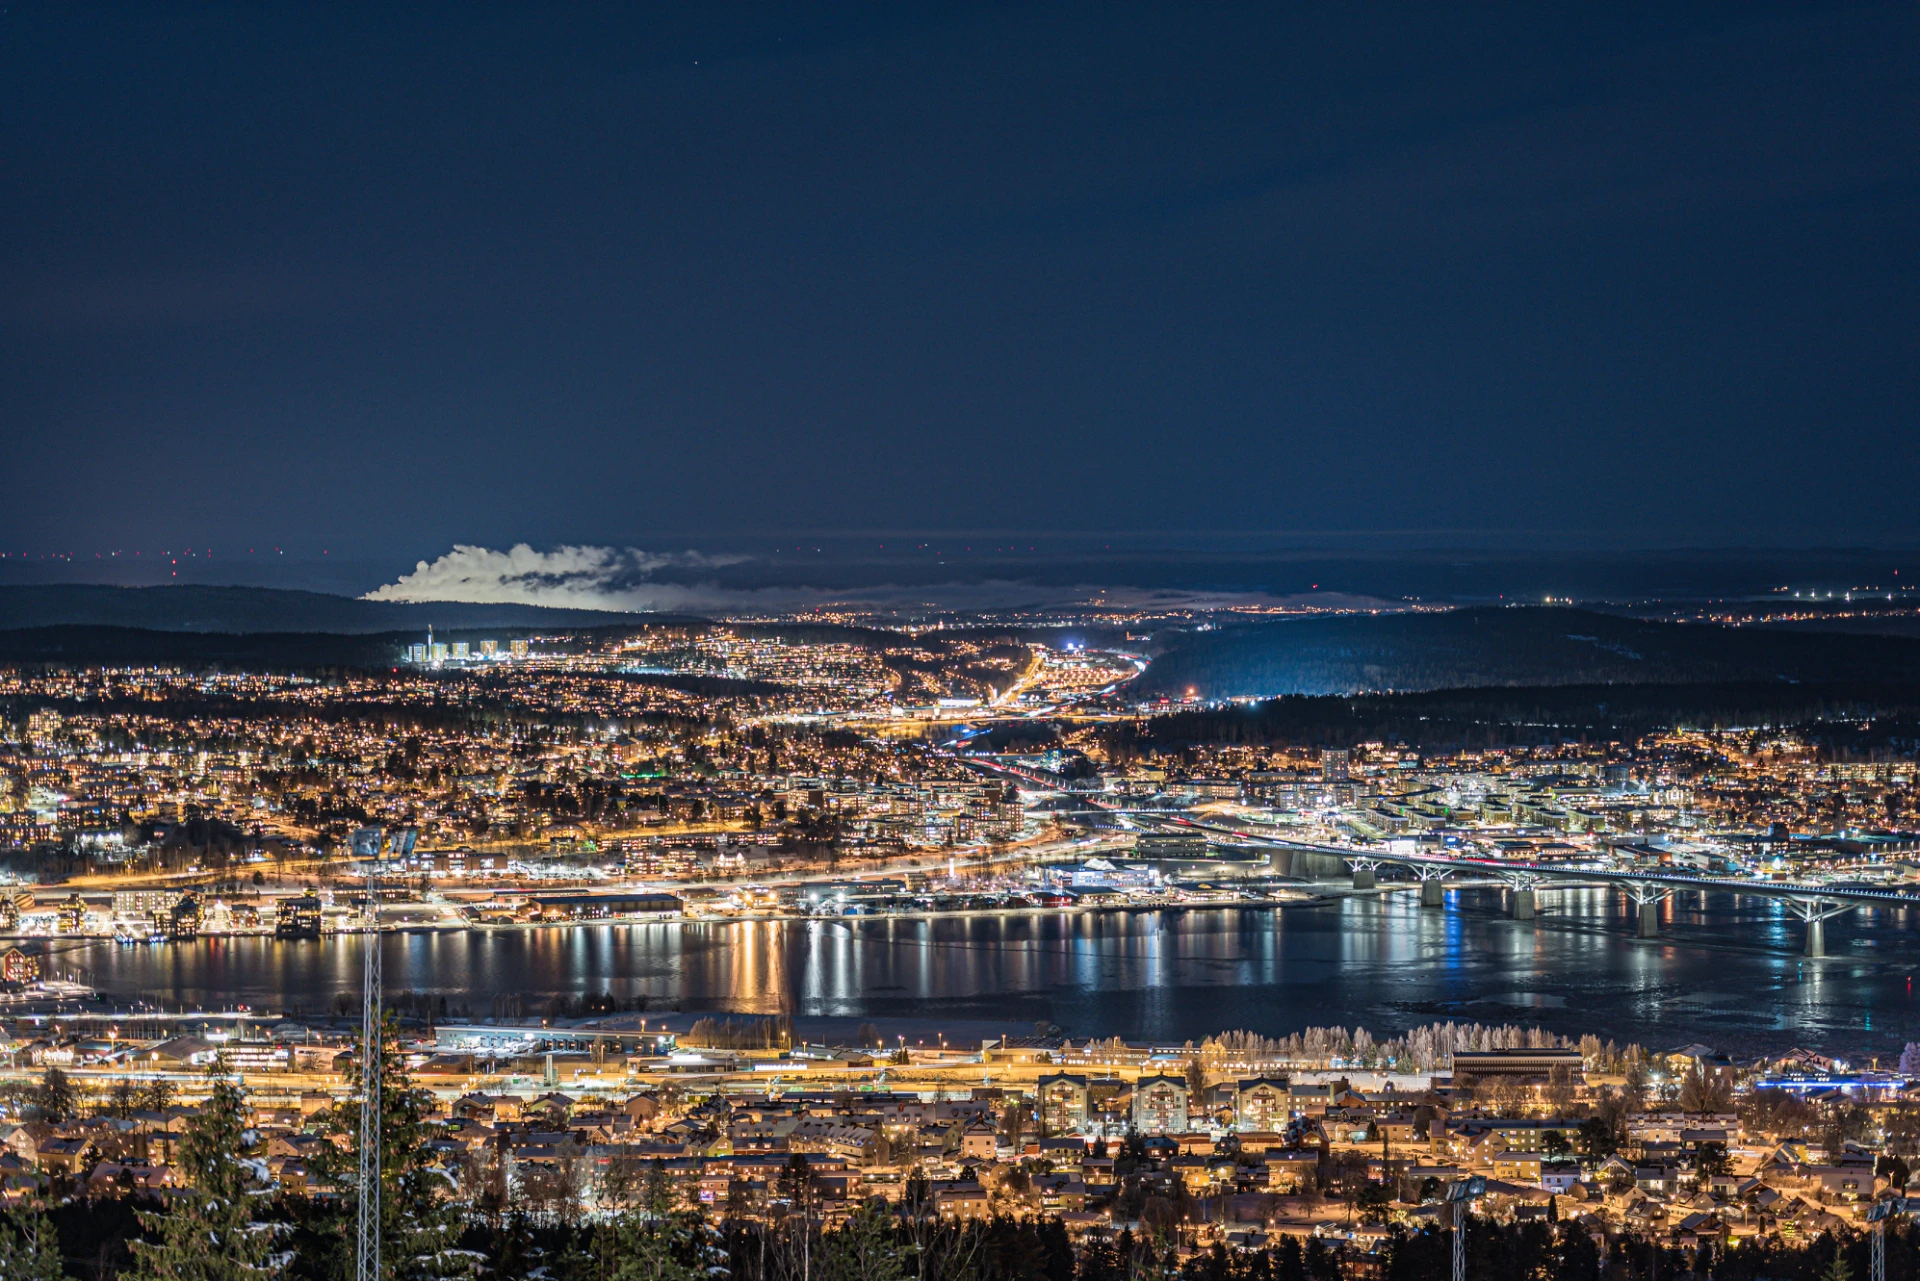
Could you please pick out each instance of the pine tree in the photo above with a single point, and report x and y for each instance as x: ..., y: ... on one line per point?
x: 158, y: 1096
x: 58, y: 1098
x: 866, y: 1248
x: 419, y: 1229
x: 659, y: 1240
x: 29, y: 1248
x: 207, y: 1232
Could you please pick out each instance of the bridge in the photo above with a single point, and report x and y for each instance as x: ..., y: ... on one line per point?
x: 523, y: 1038
x: 1813, y: 902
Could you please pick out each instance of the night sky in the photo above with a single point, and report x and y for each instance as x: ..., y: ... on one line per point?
x: 385, y: 279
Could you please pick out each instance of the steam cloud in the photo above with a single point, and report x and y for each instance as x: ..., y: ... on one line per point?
x: 605, y: 578
x: 622, y: 580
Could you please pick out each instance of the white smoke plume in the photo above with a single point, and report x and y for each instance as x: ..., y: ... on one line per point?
x: 622, y: 580
x: 604, y: 578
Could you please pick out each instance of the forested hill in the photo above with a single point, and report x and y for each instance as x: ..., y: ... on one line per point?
x: 242, y: 610
x: 1508, y: 647
x: 1869, y: 722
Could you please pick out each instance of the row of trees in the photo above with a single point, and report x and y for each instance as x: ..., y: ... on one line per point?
x: 223, y: 1224
x: 1422, y: 1049
x: 775, y: 1033
x: 878, y: 1243
x: 219, y: 1228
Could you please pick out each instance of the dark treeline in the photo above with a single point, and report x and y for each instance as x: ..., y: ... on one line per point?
x: 1471, y: 648
x: 305, y: 653
x: 96, y: 645
x: 1017, y: 736
x: 93, y: 646
x: 894, y: 1243
x: 1882, y: 738
x: 192, y: 608
x: 479, y: 714
x: 705, y: 686
x: 1446, y: 720
x: 490, y: 1216
x: 775, y: 1033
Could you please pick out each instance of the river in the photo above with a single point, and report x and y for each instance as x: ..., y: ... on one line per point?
x: 1727, y: 972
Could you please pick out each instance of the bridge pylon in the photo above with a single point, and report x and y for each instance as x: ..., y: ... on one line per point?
x: 1647, y: 887
x: 1816, y: 913
x: 1649, y: 897
x: 1521, y: 901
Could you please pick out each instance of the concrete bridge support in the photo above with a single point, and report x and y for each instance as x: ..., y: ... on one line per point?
x: 1520, y: 901
x: 1816, y: 912
x: 1649, y: 897
x: 1810, y: 902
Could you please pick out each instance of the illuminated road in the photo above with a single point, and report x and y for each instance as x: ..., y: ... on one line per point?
x: 1563, y: 871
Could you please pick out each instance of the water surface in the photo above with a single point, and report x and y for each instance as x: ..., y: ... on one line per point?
x: 1728, y: 970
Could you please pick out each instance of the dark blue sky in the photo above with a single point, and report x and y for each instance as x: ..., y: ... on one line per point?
x: 386, y: 281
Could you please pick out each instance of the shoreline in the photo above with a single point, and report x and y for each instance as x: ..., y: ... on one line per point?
x: 757, y: 918
x: 1302, y: 897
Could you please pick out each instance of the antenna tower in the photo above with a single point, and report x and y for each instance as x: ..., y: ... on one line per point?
x: 1459, y: 1196
x: 1878, y: 1216
x: 367, y: 1253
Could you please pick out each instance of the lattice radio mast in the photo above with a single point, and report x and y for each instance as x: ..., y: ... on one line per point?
x: 367, y: 1236
x: 1882, y: 1213
x: 1459, y: 1196
x: 1459, y: 1241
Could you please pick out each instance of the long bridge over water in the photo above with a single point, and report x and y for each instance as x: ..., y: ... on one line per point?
x: 1815, y: 903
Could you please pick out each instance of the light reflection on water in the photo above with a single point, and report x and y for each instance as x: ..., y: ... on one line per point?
x: 1728, y: 973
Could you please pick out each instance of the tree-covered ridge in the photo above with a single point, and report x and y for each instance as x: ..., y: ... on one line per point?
x: 1491, y: 647
x: 1541, y: 716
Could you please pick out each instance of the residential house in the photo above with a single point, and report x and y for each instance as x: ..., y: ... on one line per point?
x: 1160, y: 1104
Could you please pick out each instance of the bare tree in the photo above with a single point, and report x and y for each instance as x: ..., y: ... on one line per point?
x: 1559, y: 1091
